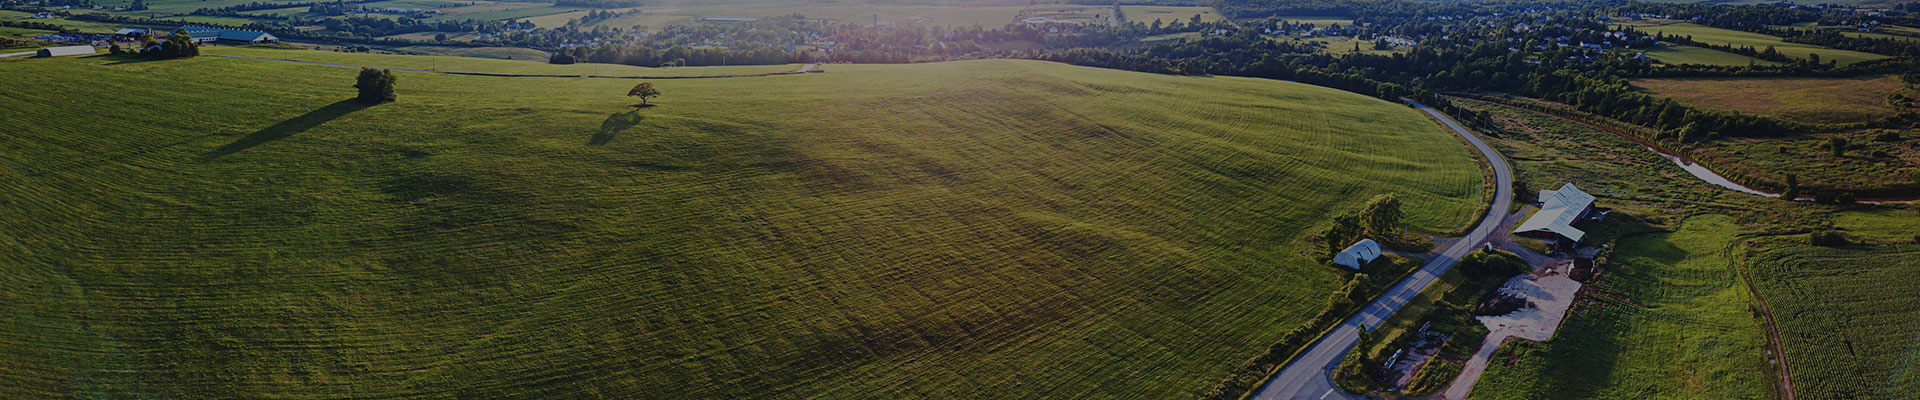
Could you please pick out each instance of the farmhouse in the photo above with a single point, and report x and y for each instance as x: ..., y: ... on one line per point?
x: 63, y: 51
x: 1558, y: 211
x: 201, y: 34
x: 1358, y: 254
x: 133, y: 33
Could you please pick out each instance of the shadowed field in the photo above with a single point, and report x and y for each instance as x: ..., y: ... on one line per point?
x: 228, y: 228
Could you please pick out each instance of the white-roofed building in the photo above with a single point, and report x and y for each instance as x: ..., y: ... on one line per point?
x: 64, y: 51
x: 1358, y: 254
x: 1559, y: 209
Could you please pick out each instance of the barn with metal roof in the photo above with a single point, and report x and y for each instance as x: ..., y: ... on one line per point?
x: 1559, y: 209
x: 1357, y: 255
x: 64, y: 51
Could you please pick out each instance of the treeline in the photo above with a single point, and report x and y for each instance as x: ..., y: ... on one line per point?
x: 598, y: 3
x: 676, y: 56
x: 1612, y: 97
x: 36, y: 25
x: 236, y: 10
x: 1729, y: 17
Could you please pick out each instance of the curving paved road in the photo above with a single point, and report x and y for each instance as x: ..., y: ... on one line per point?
x: 1311, y: 375
x: 803, y: 69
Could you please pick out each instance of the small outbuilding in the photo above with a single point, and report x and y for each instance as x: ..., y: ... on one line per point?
x: 1359, y: 254
x: 64, y: 51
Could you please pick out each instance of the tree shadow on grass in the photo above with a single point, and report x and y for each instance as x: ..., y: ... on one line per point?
x: 126, y: 58
x: 615, y: 123
x: 288, y: 128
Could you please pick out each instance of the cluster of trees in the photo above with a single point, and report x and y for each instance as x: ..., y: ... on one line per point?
x: 595, y: 16
x: 598, y: 3
x: 37, y: 25
x: 177, y: 45
x: 1381, y: 219
x: 375, y: 86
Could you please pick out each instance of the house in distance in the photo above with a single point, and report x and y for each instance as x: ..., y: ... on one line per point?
x: 1559, y: 209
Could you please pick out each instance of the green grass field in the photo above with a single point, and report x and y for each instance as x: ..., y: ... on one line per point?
x: 1805, y: 99
x: 226, y: 228
x: 1759, y: 42
x: 1848, y: 317
x: 504, y: 53
x: 472, y: 64
x: 1147, y: 14
x: 1882, y: 224
x: 1668, y: 319
x: 1320, y: 22
x: 1678, y: 55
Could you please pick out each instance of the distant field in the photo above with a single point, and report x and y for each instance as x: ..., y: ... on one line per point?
x: 505, y: 53
x: 1697, y: 55
x: 1883, y: 224
x: 860, y: 13
x: 1320, y: 22
x: 1345, y: 44
x: 498, y: 11
x: 644, y: 21
x: 1872, y: 35
x: 1848, y: 316
x: 1759, y: 42
x: 483, y: 65
x: 980, y: 229
x: 1169, y: 13
x: 1826, y: 100
x: 1667, y: 320
x: 82, y: 26
x: 988, y: 17
x: 21, y: 32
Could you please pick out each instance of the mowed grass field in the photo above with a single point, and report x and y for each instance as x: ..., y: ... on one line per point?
x: 1848, y: 316
x: 470, y: 62
x: 1680, y: 55
x: 1805, y: 99
x: 1667, y: 319
x: 1759, y: 42
x: 227, y: 228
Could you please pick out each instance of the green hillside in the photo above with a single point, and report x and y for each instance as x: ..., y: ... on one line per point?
x: 227, y: 228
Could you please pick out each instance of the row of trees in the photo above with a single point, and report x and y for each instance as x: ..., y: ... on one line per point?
x: 177, y: 45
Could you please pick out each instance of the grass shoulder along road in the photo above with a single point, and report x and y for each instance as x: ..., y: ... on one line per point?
x: 234, y: 228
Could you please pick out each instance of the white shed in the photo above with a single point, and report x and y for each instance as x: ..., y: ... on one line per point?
x: 64, y: 51
x: 1358, y: 254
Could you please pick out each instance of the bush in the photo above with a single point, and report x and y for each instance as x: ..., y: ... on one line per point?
x: 1887, y: 136
x: 1827, y: 238
x: 1482, y: 264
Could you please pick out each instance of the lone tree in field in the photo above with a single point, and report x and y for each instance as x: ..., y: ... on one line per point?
x: 1838, y: 145
x: 643, y: 90
x: 1383, y: 214
x: 376, y: 85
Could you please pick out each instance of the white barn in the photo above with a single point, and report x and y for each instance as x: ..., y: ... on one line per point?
x: 1358, y: 254
x: 64, y: 51
x: 1559, y: 209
